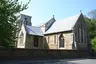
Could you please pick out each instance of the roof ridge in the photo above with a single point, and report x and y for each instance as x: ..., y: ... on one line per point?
x: 70, y: 17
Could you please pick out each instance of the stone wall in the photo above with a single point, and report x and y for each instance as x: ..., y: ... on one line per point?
x: 41, y: 54
x: 30, y: 42
x: 54, y: 40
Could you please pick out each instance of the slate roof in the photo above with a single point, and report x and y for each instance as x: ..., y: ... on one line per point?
x: 63, y: 25
x: 32, y: 30
x: 49, y: 24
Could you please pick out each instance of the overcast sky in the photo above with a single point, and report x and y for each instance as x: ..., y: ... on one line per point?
x: 43, y: 10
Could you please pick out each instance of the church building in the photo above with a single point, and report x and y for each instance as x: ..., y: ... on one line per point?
x: 68, y: 33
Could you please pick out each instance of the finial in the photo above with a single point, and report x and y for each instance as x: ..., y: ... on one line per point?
x: 53, y: 16
x: 80, y: 11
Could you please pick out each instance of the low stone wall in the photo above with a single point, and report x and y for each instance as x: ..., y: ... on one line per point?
x: 17, y: 53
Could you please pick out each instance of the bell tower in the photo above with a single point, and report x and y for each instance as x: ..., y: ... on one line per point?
x: 25, y: 19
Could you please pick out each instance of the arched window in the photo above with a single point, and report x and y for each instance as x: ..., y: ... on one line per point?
x: 61, y: 40
x: 21, y: 38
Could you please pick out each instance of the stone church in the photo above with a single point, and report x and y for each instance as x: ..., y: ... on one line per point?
x: 29, y: 36
x: 68, y: 33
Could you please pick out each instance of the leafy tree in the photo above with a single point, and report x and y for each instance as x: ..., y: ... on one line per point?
x: 8, y: 16
x: 94, y: 43
x: 92, y: 27
x: 92, y: 14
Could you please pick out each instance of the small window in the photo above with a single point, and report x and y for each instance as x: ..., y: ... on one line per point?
x: 80, y: 35
x: 36, y: 41
x: 76, y: 38
x: 83, y: 36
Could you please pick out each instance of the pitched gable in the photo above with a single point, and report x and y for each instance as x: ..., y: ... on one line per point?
x: 47, y: 25
x: 63, y: 25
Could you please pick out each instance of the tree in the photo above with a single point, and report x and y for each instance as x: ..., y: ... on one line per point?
x: 92, y: 14
x: 92, y: 27
x: 94, y: 43
x: 8, y: 16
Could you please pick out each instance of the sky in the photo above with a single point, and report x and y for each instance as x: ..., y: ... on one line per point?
x: 43, y: 10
